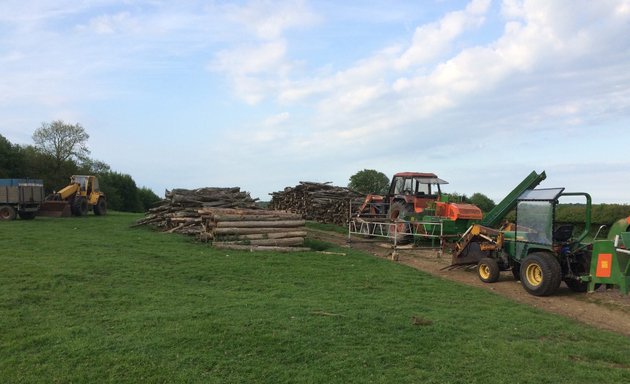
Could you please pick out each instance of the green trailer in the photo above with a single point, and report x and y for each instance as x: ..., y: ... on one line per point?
x: 20, y: 197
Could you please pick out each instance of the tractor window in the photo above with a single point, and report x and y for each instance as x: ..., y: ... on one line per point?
x: 397, y: 186
x: 422, y: 189
x: 534, y: 221
x: 408, y: 188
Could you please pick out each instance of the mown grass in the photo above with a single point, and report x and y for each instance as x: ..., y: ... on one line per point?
x: 92, y: 300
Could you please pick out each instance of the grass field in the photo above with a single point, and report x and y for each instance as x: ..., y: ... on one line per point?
x: 92, y: 300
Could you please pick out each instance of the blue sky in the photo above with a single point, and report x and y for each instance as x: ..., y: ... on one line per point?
x: 264, y: 94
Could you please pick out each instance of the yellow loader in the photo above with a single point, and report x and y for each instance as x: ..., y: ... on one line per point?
x: 77, y: 198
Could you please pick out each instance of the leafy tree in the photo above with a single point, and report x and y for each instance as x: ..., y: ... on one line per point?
x: 63, y: 142
x: 369, y: 181
x: 11, y: 159
x: 148, y: 198
x: 482, y: 201
x: 121, y: 191
x: 94, y: 167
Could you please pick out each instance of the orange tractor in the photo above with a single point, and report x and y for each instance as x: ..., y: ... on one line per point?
x: 416, y: 204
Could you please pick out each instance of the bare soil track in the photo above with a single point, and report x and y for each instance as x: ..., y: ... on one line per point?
x: 609, y: 310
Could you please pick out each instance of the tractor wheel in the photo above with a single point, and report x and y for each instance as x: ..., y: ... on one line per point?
x: 576, y: 285
x: 24, y: 215
x: 488, y: 270
x: 80, y: 206
x: 516, y: 272
x: 7, y: 212
x: 579, y: 266
x: 540, y: 274
x: 101, y: 207
x: 399, y: 229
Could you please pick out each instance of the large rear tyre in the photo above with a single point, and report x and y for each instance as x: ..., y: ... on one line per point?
x: 80, y: 206
x: 541, y: 274
x: 399, y: 229
x: 101, y: 207
x: 488, y: 270
x: 7, y: 212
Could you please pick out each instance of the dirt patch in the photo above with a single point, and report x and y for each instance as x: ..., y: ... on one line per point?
x: 609, y: 310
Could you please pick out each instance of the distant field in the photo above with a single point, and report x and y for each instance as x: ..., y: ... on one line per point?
x: 92, y: 300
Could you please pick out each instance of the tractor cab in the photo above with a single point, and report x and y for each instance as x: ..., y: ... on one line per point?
x: 417, y: 190
x: 536, y: 228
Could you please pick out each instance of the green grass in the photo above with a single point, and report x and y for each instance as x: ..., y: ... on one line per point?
x: 92, y: 300
x: 327, y: 227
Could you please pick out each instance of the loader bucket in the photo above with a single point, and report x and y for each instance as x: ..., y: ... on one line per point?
x: 476, y: 243
x: 54, y: 208
x: 469, y: 255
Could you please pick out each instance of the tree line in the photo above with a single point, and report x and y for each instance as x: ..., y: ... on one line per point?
x: 60, y: 150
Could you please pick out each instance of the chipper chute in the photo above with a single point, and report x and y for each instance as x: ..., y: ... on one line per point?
x: 55, y: 208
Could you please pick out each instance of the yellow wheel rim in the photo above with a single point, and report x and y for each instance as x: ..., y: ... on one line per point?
x: 534, y: 274
x: 484, y: 271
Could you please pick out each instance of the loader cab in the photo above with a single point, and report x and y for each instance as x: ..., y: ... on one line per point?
x: 415, y: 189
x: 87, y: 184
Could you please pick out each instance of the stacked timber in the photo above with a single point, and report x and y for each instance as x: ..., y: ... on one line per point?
x: 253, y: 229
x: 320, y: 202
x: 178, y: 212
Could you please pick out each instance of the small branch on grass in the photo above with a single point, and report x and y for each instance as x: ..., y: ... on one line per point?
x: 324, y: 313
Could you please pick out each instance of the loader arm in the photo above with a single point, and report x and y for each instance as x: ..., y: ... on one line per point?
x: 68, y: 191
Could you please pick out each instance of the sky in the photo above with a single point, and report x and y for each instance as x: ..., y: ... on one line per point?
x: 265, y: 94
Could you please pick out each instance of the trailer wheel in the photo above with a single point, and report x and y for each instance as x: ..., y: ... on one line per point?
x: 80, y: 206
x: 540, y: 274
x: 101, y: 207
x: 27, y: 215
x: 7, y: 212
x: 488, y: 270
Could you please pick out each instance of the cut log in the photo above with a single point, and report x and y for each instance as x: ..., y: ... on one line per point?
x: 259, y: 248
x: 260, y: 224
x: 260, y: 236
x: 287, y: 242
x: 246, y: 231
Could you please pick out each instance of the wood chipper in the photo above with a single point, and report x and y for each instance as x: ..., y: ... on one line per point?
x: 610, y: 261
x: 77, y: 198
x: 542, y: 253
x: 415, y: 205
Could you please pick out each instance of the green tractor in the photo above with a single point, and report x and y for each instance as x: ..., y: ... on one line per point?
x: 542, y: 253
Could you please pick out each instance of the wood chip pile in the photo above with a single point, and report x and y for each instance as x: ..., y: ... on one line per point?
x: 320, y: 202
x: 203, y: 213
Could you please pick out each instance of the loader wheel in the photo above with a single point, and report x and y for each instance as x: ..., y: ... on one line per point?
x: 80, y: 206
x: 7, y: 212
x: 101, y: 207
x: 488, y: 270
x: 540, y: 274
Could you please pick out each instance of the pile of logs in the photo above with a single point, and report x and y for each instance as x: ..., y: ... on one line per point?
x: 178, y: 212
x: 253, y: 229
x: 227, y: 217
x: 320, y: 202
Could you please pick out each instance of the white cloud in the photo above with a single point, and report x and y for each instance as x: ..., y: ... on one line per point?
x: 432, y: 40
